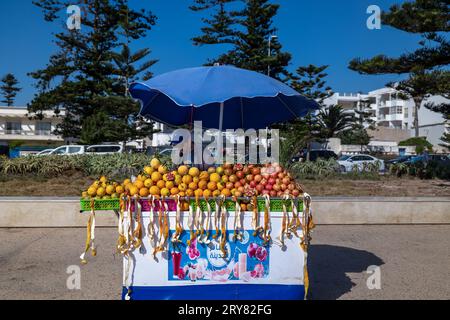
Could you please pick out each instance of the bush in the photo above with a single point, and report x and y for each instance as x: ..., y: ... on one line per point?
x: 315, y: 170
x: 114, y: 165
x: 421, y: 144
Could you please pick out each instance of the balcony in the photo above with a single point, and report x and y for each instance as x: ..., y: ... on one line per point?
x: 34, y: 135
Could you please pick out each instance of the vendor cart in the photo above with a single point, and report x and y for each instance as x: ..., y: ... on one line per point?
x: 213, y: 250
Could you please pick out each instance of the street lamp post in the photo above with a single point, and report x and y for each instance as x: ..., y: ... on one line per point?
x: 270, y: 52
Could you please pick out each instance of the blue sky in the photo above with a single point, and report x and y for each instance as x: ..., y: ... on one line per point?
x: 320, y: 32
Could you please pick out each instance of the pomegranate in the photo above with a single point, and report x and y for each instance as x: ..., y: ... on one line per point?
x: 261, y: 254
x: 256, y: 171
x: 251, y: 250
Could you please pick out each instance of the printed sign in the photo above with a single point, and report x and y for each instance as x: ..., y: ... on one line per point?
x: 247, y: 260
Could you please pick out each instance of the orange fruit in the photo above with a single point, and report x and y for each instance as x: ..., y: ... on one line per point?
x: 189, y: 193
x: 174, y: 191
x: 195, y: 179
x: 220, y: 170
x: 140, y: 177
x: 126, y: 181
x: 170, y: 185
x: 165, y: 192
x: 101, y: 192
x: 183, y: 170
x: 207, y: 193
x: 214, y: 177
x: 182, y: 187
x: 144, y: 192
x: 198, y: 193
x: 212, y: 186
x: 224, y: 179
x: 194, y: 172
x: 220, y: 186
x: 203, y: 184
x: 204, y: 175
x: 155, y: 163
x: 148, y: 170
x: 178, y: 180
x: 139, y: 184
x: 155, y: 191
x: 211, y: 170
x: 148, y: 183
x: 216, y: 193
x: 226, y: 192
x: 110, y: 189
x: 187, y: 179
x: 156, y: 176
x: 103, y: 179
x: 193, y: 186
x: 120, y: 190
x: 162, y: 169
x: 161, y: 184
x: 134, y: 190
x: 92, y: 191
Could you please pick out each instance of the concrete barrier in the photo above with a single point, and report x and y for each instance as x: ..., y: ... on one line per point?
x: 65, y: 212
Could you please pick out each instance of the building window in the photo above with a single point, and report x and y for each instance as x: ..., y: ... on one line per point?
x: 406, y: 113
x: 13, y: 128
x: 399, y: 110
x: 43, y: 128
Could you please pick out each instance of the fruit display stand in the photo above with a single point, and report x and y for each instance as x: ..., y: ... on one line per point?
x: 210, y: 249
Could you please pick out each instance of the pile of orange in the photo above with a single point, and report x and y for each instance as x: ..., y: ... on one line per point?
x: 227, y: 180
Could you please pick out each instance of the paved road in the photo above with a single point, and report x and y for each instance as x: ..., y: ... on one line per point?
x: 414, y: 263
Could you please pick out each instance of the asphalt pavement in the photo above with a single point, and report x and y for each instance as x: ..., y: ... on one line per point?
x: 410, y: 262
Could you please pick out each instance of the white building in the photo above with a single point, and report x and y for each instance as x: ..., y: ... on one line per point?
x: 24, y: 134
x: 390, y: 111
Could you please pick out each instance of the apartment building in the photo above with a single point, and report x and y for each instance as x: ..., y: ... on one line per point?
x: 388, y: 110
x: 20, y: 135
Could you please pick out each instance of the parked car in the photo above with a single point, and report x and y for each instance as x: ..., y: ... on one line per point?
x: 348, y: 162
x: 439, y: 158
x: 104, y: 149
x: 45, y: 152
x: 402, y: 159
x: 69, y: 150
x: 314, y: 155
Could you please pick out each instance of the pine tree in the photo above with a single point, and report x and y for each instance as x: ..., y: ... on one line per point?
x: 425, y: 17
x: 9, y: 89
x: 82, y: 76
x: 310, y: 82
x: 246, y: 29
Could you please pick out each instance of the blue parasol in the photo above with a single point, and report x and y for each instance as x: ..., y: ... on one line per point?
x: 222, y: 97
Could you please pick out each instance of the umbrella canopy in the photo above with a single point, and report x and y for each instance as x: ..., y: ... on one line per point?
x: 222, y: 97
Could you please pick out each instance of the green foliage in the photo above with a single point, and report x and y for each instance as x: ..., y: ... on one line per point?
x: 114, y: 165
x: 245, y: 27
x: 92, y: 68
x: 9, y: 89
x: 310, y: 82
x: 421, y: 144
x: 315, y: 170
x: 333, y: 120
x: 355, y: 136
x: 430, y: 170
x: 426, y: 66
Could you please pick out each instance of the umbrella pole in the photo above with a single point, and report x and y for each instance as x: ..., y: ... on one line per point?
x: 222, y: 105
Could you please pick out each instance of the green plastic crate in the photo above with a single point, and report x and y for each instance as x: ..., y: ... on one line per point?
x: 100, y: 205
x: 276, y: 205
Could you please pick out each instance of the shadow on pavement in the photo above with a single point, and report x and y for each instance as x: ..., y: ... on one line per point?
x: 328, y: 266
